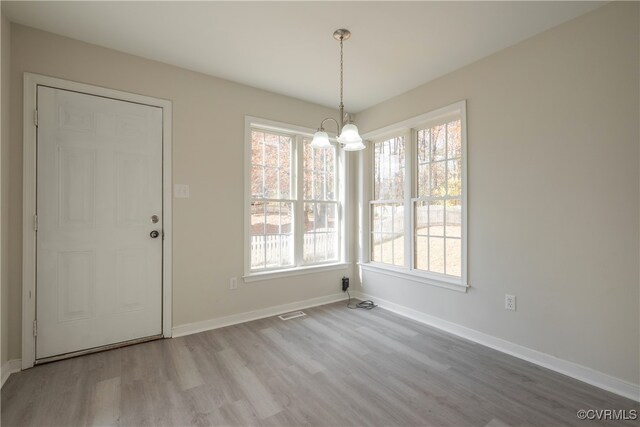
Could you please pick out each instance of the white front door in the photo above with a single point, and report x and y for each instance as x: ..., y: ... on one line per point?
x: 99, y: 191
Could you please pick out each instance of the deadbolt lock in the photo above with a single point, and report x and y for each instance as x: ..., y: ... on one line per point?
x: 155, y: 219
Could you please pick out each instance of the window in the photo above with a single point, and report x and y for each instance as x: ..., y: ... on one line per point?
x: 387, y: 206
x: 320, y: 204
x: 271, y: 200
x: 438, y: 207
x: 294, y: 201
x: 417, y: 197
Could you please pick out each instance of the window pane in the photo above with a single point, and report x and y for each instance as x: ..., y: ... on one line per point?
x: 257, y: 141
x: 271, y: 238
x: 320, y: 217
x: 438, y: 179
x: 438, y: 142
x: 271, y: 149
x: 376, y: 218
x: 387, y: 243
x: 454, y: 177
x: 286, y: 250
x: 388, y: 169
x: 284, y: 153
x: 270, y: 183
x: 257, y: 218
x: 454, y: 139
x: 286, y: 218
x: 398, y: 250
x: 257, y: 234
x: 422, y: 253
x: 284, y: 180
x: 320, y: 247
x: 436, y: 218
x: 309, y: 247
x: 318, y: 186
x: 257, y: 176
x: 439, y: 163
x: 376, y: 247
x: 393, y: 218
x: 387, y: 248
x: 421, y: 218
x: 424, y: 139
x: 436, y: 254
x: 320, y: 237
x: 319, y: 172
x: 332, y: 246
x: 424, y: 179
x: 453, y: 217
x: 454, y: 257
x: 257, y: 252
x: 271, y: 165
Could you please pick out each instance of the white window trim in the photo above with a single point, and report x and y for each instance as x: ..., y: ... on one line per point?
x: 366, y: 172
x: 342, y: 174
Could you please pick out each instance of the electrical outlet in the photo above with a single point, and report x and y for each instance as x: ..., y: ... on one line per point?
x: 510, y: 302
x: 233, y: 283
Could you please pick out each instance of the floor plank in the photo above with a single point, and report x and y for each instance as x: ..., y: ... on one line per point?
x: 334, y: 367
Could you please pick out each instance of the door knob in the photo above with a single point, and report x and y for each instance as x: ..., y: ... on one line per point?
x: 154, y: 234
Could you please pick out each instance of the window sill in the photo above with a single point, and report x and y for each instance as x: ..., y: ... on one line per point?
x: 415, y: 276
x: 297, y: 271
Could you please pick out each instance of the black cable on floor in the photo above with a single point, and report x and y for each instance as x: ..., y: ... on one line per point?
x: 365, y: 305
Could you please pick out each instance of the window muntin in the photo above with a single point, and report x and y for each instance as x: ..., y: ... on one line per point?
x: 387, y: 206
x: 295, y: 202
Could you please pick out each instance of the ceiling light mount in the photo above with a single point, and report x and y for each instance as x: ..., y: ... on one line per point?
x: 342, y: 34
x: 349, y: 137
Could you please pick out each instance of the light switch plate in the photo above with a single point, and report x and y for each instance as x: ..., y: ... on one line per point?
x: 181, y: 191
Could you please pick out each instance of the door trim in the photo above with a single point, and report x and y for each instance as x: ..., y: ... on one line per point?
x: 31, y: 82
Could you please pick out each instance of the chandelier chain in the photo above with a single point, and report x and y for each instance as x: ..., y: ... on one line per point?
x: 341, y: 72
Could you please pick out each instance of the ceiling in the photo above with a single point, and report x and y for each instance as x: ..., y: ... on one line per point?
x: 288, y: 48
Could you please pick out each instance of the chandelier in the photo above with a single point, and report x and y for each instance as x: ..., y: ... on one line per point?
x: 349, y: 138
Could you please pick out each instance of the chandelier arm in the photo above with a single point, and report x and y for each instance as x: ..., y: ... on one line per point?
x: 334, y: 121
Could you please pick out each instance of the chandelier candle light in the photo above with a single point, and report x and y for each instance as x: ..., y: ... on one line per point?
x: 349, y: 138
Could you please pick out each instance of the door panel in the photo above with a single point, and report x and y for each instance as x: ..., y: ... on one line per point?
x: 99, y: 273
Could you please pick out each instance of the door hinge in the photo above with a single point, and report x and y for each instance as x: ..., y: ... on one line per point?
x: 35, y: 117
x: 35, y: 328
x: 35, y: 222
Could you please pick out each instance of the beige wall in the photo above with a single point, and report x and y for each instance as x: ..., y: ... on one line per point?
x: 208, y: 132
x: 553, y: 172
x: 5, y: 67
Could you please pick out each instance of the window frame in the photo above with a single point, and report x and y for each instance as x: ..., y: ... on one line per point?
x: 298, y: 134
x: 409, y: 128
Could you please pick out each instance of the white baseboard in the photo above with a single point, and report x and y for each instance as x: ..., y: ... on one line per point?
x: 220, y: 322
x: 10, y: 367
x: 571, y: 369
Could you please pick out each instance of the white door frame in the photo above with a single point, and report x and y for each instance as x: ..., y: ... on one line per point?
x: 31, y: 82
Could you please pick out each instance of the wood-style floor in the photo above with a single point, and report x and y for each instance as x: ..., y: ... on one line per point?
x: 334, y: 367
